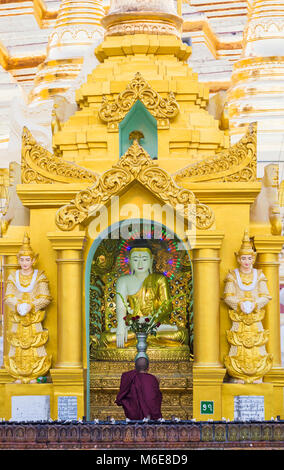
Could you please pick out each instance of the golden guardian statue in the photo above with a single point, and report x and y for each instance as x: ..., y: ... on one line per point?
x: 27, y: 295
x: 246, y: 295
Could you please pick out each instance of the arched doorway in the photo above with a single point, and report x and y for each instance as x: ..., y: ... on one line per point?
x: 107, y: 260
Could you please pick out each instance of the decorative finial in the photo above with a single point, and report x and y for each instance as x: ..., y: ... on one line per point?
x: 136, y: 136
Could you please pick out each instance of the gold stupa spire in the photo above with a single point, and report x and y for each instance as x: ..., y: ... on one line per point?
x: 77, y: 28
x: 256, y: 92
x: 142, y: 17
x: 246, y: 246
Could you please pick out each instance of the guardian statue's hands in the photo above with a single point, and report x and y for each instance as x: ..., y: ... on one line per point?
x: 247, y: 306
x: 23, y: 309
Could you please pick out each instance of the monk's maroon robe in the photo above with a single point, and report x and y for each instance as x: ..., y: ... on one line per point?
x: 139, y: 395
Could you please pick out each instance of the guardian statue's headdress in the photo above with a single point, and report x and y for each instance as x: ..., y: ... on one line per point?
x: 26, y: 249
x: 246, y: 247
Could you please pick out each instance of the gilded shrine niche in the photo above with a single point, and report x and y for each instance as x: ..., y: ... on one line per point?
x: 139, y: 119
x: 172, y: 365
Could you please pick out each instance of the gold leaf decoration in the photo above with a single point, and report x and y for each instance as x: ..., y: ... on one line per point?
x: 235, y: 164
x: 137, y: 165
x: 38, y: 165
x: 138, y: 89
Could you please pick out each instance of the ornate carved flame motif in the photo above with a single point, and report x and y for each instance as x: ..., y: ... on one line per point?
x: 113, y: 112
x: 41, y: 166
x: 136, y: 164
x: 236, y: 164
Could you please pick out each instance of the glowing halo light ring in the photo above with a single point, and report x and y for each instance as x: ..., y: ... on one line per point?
x: 125, y: 246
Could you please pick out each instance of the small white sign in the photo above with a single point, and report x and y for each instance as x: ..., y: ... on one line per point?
x: 249, y: 408
x: 30, y: 408
x: 67, y: 408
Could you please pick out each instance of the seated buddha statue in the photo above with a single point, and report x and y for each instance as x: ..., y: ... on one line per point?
x: 144, y: 291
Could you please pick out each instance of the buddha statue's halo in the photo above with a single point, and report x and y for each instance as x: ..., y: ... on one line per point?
x: 246, y: 247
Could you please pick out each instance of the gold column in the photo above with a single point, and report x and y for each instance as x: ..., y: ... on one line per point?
x: 206, y: 278
x: 208, y: 372
x: 69, y: 247
x: 268, y: 248
x: 9, y: 249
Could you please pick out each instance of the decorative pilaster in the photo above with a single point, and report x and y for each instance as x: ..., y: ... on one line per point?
x: 206, y: 277
x: 69, y: 247
x: 9, y: 249
x: 268, y: 248
x: 208, y: 372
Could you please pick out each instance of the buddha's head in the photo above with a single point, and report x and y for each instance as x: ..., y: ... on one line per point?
x: 141, y: 259
x: 246, y: 255
x: 26, y: 256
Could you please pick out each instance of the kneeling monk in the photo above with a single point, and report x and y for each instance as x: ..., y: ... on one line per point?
x: 139, y: 393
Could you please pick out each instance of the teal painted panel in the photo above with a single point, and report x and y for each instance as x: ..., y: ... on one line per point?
x: 139, y: 119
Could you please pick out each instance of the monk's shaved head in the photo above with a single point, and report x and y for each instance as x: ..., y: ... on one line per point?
x: 142, y: 363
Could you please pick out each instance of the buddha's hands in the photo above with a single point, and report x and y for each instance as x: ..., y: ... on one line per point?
x: 23, y: 309
x: 121, y: 336
x: 247, y: 306
x: 164, y: 327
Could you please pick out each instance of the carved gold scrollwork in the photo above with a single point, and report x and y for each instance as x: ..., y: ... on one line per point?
x: 136, y: 164
x: 138, y: 89
x: 235, y: 164
x: 40, y: 166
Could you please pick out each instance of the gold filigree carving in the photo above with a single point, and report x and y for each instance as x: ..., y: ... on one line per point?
x: 137, y: 165
x: 109, y: 368
x: 235, y: 164
x: 38, y: 165
x: 175, y: 376
x: 138, y: 89
x: 143, y: 27
x: 128, y: 354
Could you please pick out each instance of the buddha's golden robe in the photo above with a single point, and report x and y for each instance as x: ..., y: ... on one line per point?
x: 247, y: 360
x: 154, y: 291
x: 27, y: 358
